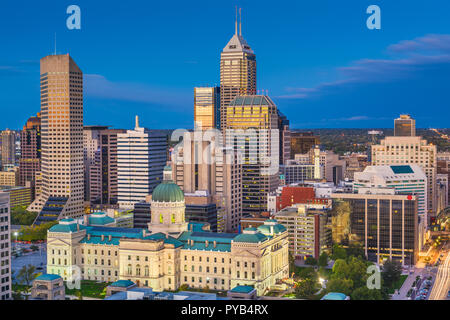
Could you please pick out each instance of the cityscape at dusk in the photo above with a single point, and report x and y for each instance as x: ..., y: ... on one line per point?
x: 239, y: 151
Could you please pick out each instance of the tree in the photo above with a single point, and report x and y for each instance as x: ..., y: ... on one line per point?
x: 20, y: 216
x: 340, y: 285
x: 356, y: 250
x: 79, y: 295
x: 206, y: 289
x: 323, y: 260
x: 307, y: 273
x: 311, y: 261
x: 26, y: 276
x: 354, y: 269
x: 184, y: 287
x: 291, y: 263
x: 392, y: 271
x: 364, y: 293
x: 338, y: 252
x: 305, y: 288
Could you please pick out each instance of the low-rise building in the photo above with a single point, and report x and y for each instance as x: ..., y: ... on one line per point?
x: 19, y: 196
x: 9, y: 177
x: 48, y: 287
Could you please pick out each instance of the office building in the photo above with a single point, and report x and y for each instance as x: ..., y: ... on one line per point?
x: 443, y: 167
x: 10, y: 177
x: 30, y: 146
x: 302, y: 142
x: 19, y: 196
x: 237, y: 72
x: 406, y: 151
x: 404, y: 126
x: 309, y: 235
x: 408, y: 180
x: 207, y: 107
x: 217, y: 171
x: 383, y: 223
x: 287, y: 196
x: 5, y: 247
x: 354, y: 162
x: 201, y: 208
x: 100, y: 163
x: 251, y: 131
x: 295, y: 172
x: 141, y: 157
x: 284, y: 138
x: 8, y: 148
x: 62, y: 191
x: 142, y: 214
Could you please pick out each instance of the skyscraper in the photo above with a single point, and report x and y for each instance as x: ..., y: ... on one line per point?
x: 404, y: 126
x: 205, y: 166
x: 141, y: 157
x: 252, y: 131
x: 8, y: 149
x: 100, y: 164
x: 62, y: 140
x: 207, y: 107
x: 30, y: 145
x: 237, y: 71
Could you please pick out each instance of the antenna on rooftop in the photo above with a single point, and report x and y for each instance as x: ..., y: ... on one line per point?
x: 55, y: 43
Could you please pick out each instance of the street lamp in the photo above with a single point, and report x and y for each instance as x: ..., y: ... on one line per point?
x: 15, y: 234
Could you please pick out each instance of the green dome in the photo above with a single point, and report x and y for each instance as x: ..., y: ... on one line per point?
x: 167, y: 191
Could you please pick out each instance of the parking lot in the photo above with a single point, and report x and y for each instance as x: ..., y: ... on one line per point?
x: 37, y: 258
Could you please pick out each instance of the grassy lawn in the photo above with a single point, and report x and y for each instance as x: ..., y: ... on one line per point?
x: 91, y: 289
x: 398, y: 284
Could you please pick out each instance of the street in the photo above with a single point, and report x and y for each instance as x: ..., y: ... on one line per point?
x: 442, y: 283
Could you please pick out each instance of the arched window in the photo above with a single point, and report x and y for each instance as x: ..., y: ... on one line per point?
x: 161, y: 219
x: 138, y: 270
x: 172, y: 218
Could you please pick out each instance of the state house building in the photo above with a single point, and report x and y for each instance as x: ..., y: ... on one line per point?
x: 171, y: 252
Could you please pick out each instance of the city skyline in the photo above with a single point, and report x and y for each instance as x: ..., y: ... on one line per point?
x: 318, y: 73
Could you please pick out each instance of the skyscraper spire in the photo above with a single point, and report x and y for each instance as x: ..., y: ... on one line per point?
x: 236, y: 23
x: 240, y: 22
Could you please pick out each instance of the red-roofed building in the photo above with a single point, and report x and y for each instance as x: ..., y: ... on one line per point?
x: 291, y: 195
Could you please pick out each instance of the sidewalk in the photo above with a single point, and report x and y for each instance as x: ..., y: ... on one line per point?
x: 407, y: 285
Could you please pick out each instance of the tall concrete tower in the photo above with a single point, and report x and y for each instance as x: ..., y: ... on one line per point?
x: 237, y: 71
x: 62, y: 140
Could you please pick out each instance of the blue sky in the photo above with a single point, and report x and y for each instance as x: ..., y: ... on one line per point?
x: 320, y: 63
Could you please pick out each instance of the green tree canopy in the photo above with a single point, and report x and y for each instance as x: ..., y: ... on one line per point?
x: 305, y: 288
x: 364, y: 293
x: 311, y: 261
x: 392, y: 271
x: 338, y: 252
x: 340, y: 285
x: 323, y: 260
x: 20, y: 216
